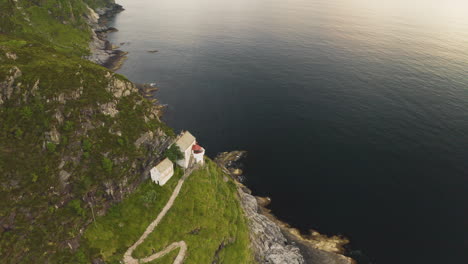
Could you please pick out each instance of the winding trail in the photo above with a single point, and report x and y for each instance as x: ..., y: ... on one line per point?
x: 128, y: 259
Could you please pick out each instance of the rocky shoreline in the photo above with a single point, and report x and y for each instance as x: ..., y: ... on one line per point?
x: 274, y: 241
x: 102, y: 51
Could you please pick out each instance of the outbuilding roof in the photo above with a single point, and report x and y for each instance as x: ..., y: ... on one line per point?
x: 164, y: 165
x: 185, y: 141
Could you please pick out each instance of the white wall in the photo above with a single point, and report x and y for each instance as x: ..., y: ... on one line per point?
x: 161, y: 177
x: 187, y: 153
x: 199, y: 157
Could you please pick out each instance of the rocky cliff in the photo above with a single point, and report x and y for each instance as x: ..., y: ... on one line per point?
x: 270, y: 245
x: 273, y: 241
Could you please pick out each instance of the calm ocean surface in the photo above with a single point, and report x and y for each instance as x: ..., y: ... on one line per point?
x: 354, y: 112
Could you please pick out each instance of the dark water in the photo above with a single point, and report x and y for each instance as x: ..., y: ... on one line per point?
x: 354, y: 112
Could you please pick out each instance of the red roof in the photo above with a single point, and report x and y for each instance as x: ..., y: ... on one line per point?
x: 197, y: 147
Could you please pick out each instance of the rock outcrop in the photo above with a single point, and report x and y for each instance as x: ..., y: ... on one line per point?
x: 273, y: 240
x: 101, y: 51
x: 270, y: 245
x: 7, y: 87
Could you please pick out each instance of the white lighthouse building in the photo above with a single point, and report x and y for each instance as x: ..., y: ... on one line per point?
x: 198, y: 153
x: 190, y: 149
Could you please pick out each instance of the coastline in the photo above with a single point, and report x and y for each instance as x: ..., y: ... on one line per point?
x: 313, y: 248
x: 275, y: 241
x: 102, y: 51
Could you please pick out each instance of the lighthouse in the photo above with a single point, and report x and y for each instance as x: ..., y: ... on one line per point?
x: 198, y: 152
x: 189, y: 147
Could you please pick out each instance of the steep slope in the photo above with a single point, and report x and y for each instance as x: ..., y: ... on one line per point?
x: 77, y: 139
x: 206, y: 215
x: 74, y: 137
x: 69, y: 136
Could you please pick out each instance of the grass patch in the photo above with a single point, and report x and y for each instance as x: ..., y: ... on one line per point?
x: 205, y: 215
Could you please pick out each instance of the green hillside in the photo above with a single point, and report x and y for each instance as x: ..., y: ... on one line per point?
x: 76, y: 140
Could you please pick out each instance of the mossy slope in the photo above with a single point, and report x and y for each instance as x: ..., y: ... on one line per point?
x: 71, y: 146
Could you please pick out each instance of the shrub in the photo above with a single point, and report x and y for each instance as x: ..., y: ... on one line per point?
x: 80, y: 257
x: 121, y: 141
x: 34, y: 177
x: 107, y: 165
x: 64, y: 140
x: 19, y: 133
x: 51, y: 209
x: 51, y: 147
x: 26, y: 112
x: 68, y: 126
x: 75, y: 206
x: 86, y: 145
x: 149, y: 196
x: 174, y: 153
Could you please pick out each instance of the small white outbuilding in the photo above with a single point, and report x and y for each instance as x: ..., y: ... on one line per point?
x: 162, y: 172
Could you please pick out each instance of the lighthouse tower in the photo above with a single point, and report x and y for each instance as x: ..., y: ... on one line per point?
x: 198, y: 152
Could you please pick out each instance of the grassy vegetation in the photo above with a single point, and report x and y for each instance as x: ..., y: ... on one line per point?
x: 206, y: 215
x: 50, y: 188
x: 34, y: 200
x: 57, y: 23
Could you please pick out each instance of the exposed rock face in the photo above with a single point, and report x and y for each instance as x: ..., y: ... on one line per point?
x: 53, y: 136
x: 63, y: 177
x: 7, y: 87
x: 232, y: 163
x: 275, y: 241
x: 120, y: 88
x: 109, y: 109
x: 102, y: 52
x: 109, y: 11
x: 11, y: 56
x: 269, y: 243
x: 144, y: 138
